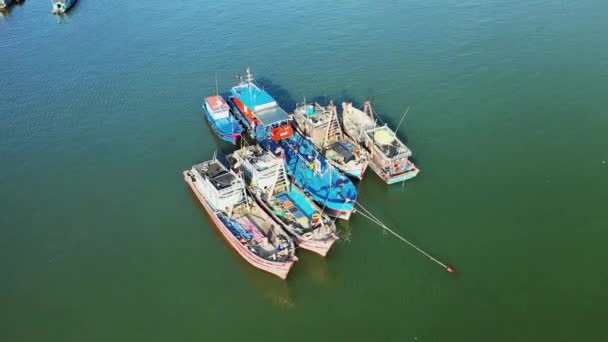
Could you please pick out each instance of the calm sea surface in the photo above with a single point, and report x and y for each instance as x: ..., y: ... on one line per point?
x: 101, y: 240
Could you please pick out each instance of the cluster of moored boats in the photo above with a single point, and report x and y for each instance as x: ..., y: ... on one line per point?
x: 59, y: 6
x: 287, y: 190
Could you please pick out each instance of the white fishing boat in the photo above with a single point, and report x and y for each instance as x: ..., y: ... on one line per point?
x: 249, y: 230
x: 389, y: 155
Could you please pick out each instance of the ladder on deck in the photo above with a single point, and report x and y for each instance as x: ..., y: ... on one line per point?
x: 281, y: 183
x: 334, y: 131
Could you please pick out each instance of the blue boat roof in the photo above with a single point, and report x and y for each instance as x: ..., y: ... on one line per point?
x: 252, y: 96
x: 272, y: 115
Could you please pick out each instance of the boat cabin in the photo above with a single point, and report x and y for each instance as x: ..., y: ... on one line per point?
x: 277, y: 121
x: 258, y: 107
x: 217, y: 107
x: 314, y: 120
x: 261, y: 168
x: 221, y: 188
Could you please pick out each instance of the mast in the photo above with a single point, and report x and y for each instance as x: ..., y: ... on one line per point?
x: 367, y: 108
x: 249, y: 78
x: 249, y: 81
x: 217, y: 87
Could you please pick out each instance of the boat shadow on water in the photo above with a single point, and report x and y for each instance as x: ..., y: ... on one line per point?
x: 280, y: 94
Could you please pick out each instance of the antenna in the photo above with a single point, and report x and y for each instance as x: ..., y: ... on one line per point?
x: 217, y: 87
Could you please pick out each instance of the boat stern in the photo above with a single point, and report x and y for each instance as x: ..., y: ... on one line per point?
x: 319, y: 247
x: 403, y: 177
x: 343, y: 214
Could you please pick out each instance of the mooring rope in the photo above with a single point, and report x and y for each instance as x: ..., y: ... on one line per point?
x: 367, y: 214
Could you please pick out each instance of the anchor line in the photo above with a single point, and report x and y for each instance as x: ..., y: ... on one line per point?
x: 367, y: 214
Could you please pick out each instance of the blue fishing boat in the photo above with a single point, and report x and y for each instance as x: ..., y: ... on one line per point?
x: 308, y: 169
x: 218, y: 115
x: 62, y: 6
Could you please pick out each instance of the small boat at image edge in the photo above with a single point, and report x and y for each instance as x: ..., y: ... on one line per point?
x: 5, y: 3
x: 62, y: 6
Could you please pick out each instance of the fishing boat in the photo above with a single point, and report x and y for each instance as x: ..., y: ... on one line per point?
x: 242, y: 222
x: 389, y: 155
x: 62, y: 6
x: 308, y: 169
x: 5, y: 3
x: 267, y: 181
x: 254, y: 105
x: 218, y: 114
x: 320, y: 124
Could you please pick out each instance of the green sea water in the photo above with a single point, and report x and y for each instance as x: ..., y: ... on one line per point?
x: 101, y: 239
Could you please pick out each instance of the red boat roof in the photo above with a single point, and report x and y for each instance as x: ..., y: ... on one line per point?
x: 217, y: 103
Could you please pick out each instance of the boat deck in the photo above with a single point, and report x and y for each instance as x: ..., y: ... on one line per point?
x: 252, y: 96
x: 217, y: 174
x: 272, y: 115
x: 217, y: 103
x: 388, y: 143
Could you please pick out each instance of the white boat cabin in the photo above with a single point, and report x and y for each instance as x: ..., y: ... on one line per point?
x: 222, y: 188
x: 264, y: 171
x: 217, y: 107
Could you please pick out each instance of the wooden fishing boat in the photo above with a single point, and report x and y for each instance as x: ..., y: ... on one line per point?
x: 249, y: 230
x: 267, y: 181
x: 389, y: 155
x: 320, y: 124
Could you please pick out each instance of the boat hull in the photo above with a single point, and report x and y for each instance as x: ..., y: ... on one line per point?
x: 279, y: 269
x: 353, y: 172
x: 232, y: 138
x: 319, y: 247
x: 393, y: 179
x: 337, y: 213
